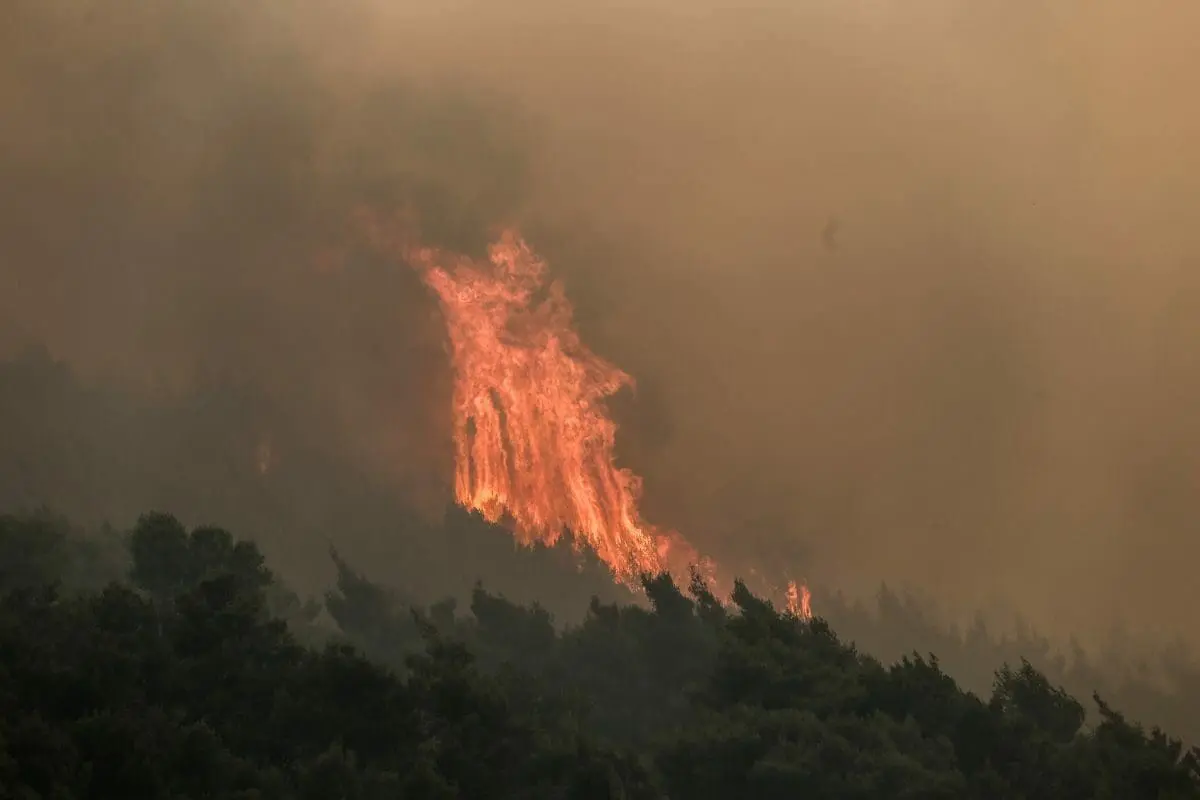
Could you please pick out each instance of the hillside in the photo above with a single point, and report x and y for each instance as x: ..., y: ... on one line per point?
x: 196, y: 674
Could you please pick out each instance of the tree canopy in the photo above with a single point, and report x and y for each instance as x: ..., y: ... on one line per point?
x: 197, y: 674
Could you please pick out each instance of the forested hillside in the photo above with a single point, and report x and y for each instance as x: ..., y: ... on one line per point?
x: 95, y: 452
x: 169, y: 663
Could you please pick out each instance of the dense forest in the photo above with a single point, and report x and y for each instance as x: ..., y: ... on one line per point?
x: 172, y: 663
x: 160, y: 662
x: 99, y: 453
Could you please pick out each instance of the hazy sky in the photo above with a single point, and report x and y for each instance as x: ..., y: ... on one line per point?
x: 910, y: 288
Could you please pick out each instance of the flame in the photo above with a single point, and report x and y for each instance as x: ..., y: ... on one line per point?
x: 534, y: 445
x: 533, y: 442
x: 799, y: 600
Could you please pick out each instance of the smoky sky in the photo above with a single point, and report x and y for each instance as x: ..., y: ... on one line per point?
x: 909, y: 289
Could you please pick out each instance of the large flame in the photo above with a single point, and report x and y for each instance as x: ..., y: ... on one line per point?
x: 533, y: 441
x: 799, y: 600
x: 534, y: 445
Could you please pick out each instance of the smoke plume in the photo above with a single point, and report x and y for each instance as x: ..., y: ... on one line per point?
x: 908, y: 289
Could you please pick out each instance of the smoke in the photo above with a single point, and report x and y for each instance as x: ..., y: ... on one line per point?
x: 906, y: 287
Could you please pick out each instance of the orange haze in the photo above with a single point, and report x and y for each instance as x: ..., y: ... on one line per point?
x: 909, y: 289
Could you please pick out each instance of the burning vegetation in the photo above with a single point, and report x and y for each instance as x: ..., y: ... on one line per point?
x: 534, y: 443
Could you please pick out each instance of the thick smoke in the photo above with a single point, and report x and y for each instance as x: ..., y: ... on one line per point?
x: 909, y: 288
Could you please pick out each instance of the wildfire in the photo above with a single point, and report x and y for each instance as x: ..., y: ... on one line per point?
x: 533, y: 442
x: 534, y: 445
x: 799, y: 600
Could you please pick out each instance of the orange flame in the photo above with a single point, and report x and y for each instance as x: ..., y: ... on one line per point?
x: 534, y: 445
x: 799, y: 600
x: 532, y: 438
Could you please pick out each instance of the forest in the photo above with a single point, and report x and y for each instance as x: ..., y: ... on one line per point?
x: 166, y: 662
x: 170, y: 663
